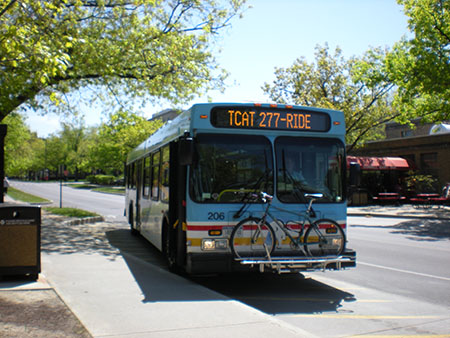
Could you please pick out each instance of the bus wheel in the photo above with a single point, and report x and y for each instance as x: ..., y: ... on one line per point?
x: 168, y: 249
x: 134, y: 232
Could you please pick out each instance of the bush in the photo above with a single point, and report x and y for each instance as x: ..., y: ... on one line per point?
x: 421, y: 183
x: 101, y: 179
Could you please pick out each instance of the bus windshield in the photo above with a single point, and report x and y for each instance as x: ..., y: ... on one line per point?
x: 309, y: 165
x: 229, y: 167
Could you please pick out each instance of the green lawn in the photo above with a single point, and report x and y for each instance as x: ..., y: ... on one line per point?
x: 25, y: 197
x: 70, y: 212
x: 111, y: 190
x: 28, y: 198
x: 117, y: 190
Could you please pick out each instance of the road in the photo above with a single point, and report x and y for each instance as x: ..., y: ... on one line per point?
x: 107, y: 205
x: 400, y: 287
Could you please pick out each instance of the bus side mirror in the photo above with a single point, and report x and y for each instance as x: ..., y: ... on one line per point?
x: 355, y: 174
x: 186, y: 150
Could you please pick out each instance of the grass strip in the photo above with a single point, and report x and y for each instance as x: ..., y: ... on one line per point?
x: 81, y: 186
x: 70, y: 212
x: 19, y: 195
x: 111, y: 190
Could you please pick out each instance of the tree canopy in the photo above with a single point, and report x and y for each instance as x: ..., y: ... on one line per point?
x: 409, y: 81
x: 82, y: 150
x: 336, y: 83
x: 20, y: 146
x: 420, y: 66
x: 116, y: 138
x: 131, y: 48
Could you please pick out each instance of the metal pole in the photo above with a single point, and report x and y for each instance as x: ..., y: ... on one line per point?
x: 3, y: 131
x: 60, y: 185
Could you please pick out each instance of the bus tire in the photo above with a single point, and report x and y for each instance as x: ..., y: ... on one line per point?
x: 134, y: 232
x: 169, y: 249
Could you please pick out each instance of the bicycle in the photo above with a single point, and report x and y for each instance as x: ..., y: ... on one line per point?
x: 255, y: 238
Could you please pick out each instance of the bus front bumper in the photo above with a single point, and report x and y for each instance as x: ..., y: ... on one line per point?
x: 219, y: 263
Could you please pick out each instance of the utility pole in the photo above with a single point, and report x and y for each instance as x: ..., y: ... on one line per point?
x: 3, y: 130
x: 61, y: 171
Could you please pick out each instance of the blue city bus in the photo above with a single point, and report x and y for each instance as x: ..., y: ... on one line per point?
x: 189, y: 183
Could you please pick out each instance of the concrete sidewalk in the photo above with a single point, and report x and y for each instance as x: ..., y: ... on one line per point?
x: 92, y: 286
x: 404, y: 211
x: 33, y: 308
x: 99, y: 282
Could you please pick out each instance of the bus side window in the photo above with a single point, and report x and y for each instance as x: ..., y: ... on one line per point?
x: 155, y: 175
x: 131, y: 177
x: 164, y: 179
x: 127, y: 176
x: 147, y: 177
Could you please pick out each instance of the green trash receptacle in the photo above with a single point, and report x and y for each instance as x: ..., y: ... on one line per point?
x: 20, y: 240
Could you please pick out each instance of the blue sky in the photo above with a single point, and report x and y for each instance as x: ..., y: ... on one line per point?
x: 273, y: 33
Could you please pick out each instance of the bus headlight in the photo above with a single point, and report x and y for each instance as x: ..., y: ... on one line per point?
x: 209, y: 244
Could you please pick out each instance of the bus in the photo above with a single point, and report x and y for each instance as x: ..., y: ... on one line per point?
x: 189, y: 183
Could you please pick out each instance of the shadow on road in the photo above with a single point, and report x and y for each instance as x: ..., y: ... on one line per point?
x: 418, y: 229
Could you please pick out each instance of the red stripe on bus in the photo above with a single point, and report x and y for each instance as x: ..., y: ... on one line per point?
x: 220, y: 227
x: 204, y: 227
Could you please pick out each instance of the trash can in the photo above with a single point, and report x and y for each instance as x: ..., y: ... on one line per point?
x: 20, y: 240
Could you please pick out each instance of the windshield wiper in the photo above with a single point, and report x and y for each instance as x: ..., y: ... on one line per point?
x: 250, y: 195
x: 287, y: 175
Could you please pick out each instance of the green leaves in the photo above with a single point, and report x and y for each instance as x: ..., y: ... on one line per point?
x: 420, y: 66
x: 79, y: 148
x: 411, y: 80
x: 21, y: 147
x: 352, y: 86
x: 138, y: 48
x: 116, y: 138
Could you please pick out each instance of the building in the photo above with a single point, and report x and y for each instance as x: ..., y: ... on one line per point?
x: 427, y: 146
x: 165, y: 115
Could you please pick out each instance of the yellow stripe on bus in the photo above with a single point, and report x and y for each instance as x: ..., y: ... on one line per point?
x: 195, y: 241
x: 237, y: 241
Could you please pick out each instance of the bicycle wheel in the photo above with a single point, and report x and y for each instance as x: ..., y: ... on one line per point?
x: 252, y: 238
x: 324, y: 238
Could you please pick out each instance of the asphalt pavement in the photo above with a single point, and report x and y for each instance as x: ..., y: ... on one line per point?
x: 104, y: 291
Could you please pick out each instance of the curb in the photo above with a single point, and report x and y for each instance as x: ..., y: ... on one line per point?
x: 87, y: 220
x: 362, y: 214
x: 41, y: 203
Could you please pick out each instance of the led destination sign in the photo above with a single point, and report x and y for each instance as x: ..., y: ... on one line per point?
x: 269, y: 118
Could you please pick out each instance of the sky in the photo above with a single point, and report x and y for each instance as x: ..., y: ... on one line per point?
x: 274, y: 33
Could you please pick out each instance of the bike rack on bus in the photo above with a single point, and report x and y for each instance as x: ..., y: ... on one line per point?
x: 290, y: 264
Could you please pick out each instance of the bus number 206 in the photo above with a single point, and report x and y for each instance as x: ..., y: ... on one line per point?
x: 216, y: 216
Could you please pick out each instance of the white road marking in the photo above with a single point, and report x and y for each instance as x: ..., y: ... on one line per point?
x: 404, y: 271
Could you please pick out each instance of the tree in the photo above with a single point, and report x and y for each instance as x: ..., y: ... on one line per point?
x: 336, y: 83
x: 132, y: 48
x: 21, y: 146
x: 420, y: 66
x: 117, y: 138
x: 75, y: 138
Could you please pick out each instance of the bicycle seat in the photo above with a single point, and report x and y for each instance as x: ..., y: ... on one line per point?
x: 266, y: 197
x: 315, y: 195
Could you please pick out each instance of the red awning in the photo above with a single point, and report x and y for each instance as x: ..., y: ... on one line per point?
x: 380, y: 163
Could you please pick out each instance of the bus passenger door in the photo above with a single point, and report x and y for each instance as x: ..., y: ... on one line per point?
x: 175, y: 236
x: 137, y: 204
